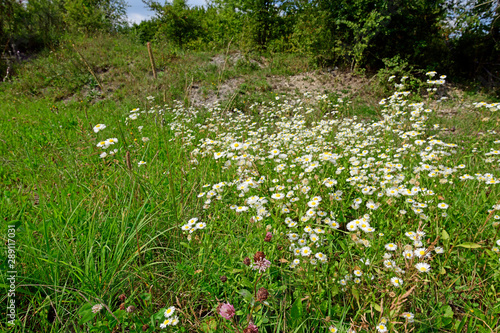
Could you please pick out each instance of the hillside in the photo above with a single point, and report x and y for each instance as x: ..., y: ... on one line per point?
x: 245, y: 192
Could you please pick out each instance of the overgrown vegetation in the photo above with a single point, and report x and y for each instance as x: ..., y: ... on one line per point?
x: 106, y: 236
x: 252, y: 186
x: 457, y: 37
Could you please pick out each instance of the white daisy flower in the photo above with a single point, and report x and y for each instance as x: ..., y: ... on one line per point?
x: 442, y: 205
x: 99, y: 127
x: 170, y: 311
x: 396, y: 282
x: 423, y: 267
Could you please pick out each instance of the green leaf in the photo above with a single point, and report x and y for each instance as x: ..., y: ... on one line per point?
x: 296, y: 311
x: 324, y: 306
x: 448, y: 312
x: 159, y: 315
x: 84, y: 309
x: 120, y: 313
x: 87, y: 316
x: 491, y: 253
x: 246, y: 283
x: 355, y: 293
x: 469, y: 245
x: 376, y: 307
x: 247, y: 295
x: 462, y: 324
x: 209, y: 326
x: 444, y: 235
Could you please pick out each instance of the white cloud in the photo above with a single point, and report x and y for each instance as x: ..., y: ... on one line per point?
x: 196, y: 2
x: 137, y: 18
x: 137, y: 11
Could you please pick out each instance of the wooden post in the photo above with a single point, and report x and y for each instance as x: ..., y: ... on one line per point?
x: 127, y: 160
x: 152, y: 59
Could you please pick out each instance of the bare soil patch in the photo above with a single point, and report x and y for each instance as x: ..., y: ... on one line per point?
x: 199, y: 97
x: 313, y: 82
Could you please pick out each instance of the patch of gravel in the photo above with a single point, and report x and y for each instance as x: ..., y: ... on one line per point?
x: 318, y: 82
x: 312, y: 82
x: 226, y: 89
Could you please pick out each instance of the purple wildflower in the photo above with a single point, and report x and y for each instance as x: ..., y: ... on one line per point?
x: 261, y: 265
x: 226, y: 310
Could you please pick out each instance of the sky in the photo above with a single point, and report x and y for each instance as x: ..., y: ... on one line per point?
x: 138, y: 12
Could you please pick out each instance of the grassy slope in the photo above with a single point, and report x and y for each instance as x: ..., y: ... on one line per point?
x: 90, y: 230
x: 54, y: 190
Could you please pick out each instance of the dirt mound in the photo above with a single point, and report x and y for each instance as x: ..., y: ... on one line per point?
x: 199, y: 97
x: 314, y: 82
x: 320, y: 82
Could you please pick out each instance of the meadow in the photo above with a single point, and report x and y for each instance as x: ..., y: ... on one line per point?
x: 135, y: 210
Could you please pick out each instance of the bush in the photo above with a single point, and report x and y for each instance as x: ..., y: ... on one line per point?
x: 89, y: 16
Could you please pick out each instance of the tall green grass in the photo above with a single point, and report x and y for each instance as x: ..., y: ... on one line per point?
x: 93, y: 231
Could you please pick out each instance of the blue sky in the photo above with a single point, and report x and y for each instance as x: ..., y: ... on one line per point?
x: 138, y: 11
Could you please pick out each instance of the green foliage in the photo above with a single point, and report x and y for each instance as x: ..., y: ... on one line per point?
x: 394, y: 70
x: 91, y: 228
x: 90, y: 16
x: 26, y: 29
x: 457, y: 37
x: 474, y: 42
x: 360, y: 33
x: 413, y: 31
x: 263, y: 20
x: 250, y: 24
x: 29, y: 27
x: 146, y: 30
x: 177, y: 22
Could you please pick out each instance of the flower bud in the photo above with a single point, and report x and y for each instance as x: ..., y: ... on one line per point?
x: 251, y: 328
x: 223, y: 278
x: 131, y: 309
x: 246, y: 261
x: 259, y: 256
x: 122, y: 297
x: 262, y: 294
x: 269, y: 236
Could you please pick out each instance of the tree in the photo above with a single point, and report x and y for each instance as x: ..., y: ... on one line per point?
x: 260, y: 20
x: 178, y: 23
x: 263, y: 20
x: 474, y: 32
x: 89, y: 16
x: 364, y: 32
x: 30, y: 26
